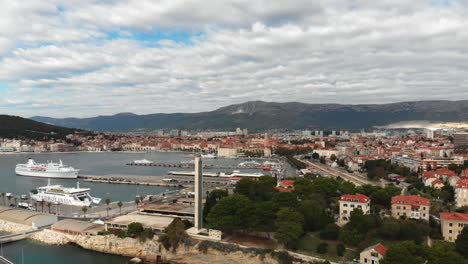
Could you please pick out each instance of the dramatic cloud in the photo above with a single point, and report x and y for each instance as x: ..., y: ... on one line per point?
x: 85, y: 58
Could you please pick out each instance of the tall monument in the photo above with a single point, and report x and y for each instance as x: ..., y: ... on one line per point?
x: 198, y: 192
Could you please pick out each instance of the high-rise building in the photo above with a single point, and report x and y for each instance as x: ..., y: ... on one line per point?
x: 460, y: 140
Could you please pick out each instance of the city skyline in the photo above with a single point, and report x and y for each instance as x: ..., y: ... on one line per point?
x: 83, y: 58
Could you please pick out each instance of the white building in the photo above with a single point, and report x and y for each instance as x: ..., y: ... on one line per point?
x: 350, y: 202
x: 372, y: 254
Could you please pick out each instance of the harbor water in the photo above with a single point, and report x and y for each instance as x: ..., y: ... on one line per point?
x: 102, y: 163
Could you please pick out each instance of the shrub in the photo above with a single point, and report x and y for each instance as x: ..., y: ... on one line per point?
x: 135, y: 229
x: 322, y: 248
x: 330, y: 232
x: 340, y: 250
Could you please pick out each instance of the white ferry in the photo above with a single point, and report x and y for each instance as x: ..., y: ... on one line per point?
x: 62, y: 195
x: 46, y: 170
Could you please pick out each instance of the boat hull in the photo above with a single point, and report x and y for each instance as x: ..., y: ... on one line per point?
x: 52, y: 174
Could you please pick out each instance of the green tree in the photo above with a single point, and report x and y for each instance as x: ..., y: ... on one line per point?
x: 315, y: 214
x: 347, y: 187
x: 120, y: 204
x: 333, y: 157
x: 405, y: 252
x: 351, y: 236
x: 444, y: 253
x: 135, y: 229
x: 84, y: 209
x: 234, y: 212
x: 174, y: 235
x: 390, y: 228
x: 289, y: 225
x: 212, y: 199
x: 461, y: 244
x: 108, y: 201
x: 264, y: 217
x: 285, y: 199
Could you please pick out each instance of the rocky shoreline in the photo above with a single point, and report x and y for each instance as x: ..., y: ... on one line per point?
x: 151, y: 251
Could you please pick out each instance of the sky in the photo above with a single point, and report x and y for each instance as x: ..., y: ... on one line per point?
x: 82, y: 58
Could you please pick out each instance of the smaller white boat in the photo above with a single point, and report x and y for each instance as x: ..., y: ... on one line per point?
x: 249, y: 163
x: 143, y: 161
x: 209, y: 156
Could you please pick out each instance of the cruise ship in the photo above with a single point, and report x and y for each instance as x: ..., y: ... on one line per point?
x: 46, y: 170
x: 62, y: 195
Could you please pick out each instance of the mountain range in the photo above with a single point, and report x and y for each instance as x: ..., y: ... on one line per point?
x: 259, y: 115
x: 15, y: 127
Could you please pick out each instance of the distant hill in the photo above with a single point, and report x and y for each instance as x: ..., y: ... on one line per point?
x: 15, y: 127
x: 259, y: 115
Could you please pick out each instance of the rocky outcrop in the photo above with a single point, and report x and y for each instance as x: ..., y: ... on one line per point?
x: 150, y: 251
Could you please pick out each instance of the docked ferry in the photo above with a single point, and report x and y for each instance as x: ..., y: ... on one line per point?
x: 62, y: 195
x: 46, y: 170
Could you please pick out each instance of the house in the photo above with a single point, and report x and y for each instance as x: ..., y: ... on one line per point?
x: 444, y: 174
x: 411, y: 206
x: 372, y: 254
x: 461, y: 192
x: 452, y: 224
x: 350, y: 202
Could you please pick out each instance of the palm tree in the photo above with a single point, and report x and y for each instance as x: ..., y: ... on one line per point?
x: 137, y: 201
x: 150, y: 199
x: 119, y: 204
x: 84, y: 209
x: 49, y: 204
x: 108, y: 208
x: 35, y: 206
x: 16, y: 201
x: 9, y: 198
x: 42, y: 206
x: 3, y: 198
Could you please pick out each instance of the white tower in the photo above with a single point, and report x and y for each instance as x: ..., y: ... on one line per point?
x: 198, y: 192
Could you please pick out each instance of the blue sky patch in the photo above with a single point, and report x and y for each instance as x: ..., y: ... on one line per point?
x: 151, y: 39
x: 4, y: 87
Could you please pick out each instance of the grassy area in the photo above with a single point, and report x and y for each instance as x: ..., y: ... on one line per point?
x: 309, y: 242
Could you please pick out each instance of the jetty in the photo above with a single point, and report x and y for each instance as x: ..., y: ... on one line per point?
x: 189, y: 166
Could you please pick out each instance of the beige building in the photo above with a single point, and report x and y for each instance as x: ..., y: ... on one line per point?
x: 461, y: 192
x: 350, y: 202
x: 411, y: 206
x: 452, y: 225
x: 227, y: 152
x: 372, y: 254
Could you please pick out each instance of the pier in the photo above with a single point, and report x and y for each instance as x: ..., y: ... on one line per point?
x: 191, y: 166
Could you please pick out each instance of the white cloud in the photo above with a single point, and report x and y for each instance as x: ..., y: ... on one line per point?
x: 332, y: 51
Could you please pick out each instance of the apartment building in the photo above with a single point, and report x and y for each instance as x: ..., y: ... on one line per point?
x: 350, y: 202
x: 452, y: 224
x: 373, y: 254
x: 411, y: 206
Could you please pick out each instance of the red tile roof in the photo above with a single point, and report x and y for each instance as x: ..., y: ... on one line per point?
x: 287, y: 182
x: 381, y: 249
x: 454, y: 216
x: 445, y: 171
x: 462, y: 184
x: 410, y: 199
x: 361, y: 198
x: 464, y: 172
x: 282, y: 189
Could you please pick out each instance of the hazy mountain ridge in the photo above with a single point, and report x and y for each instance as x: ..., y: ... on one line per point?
x: 259, y: 115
